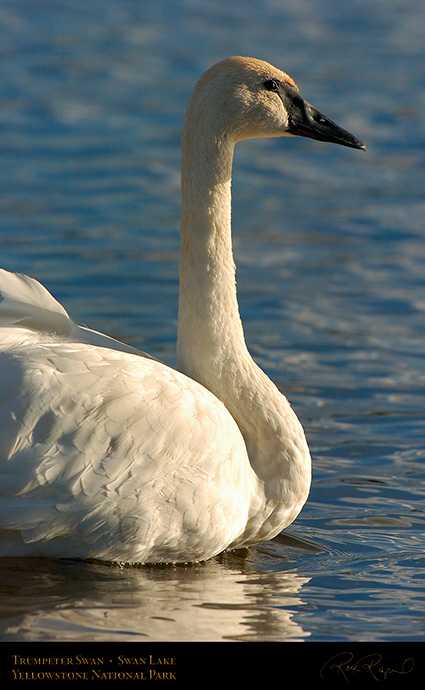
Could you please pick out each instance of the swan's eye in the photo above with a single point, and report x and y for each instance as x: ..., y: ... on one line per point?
x: 271, y: 85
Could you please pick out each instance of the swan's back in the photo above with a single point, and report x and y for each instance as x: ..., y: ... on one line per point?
x: 106, y: 454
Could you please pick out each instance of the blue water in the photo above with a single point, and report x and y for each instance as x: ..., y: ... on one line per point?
x: 330, y: 248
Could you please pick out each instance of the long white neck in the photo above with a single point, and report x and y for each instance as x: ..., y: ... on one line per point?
x: 210, y: 334
x: 211, y: 345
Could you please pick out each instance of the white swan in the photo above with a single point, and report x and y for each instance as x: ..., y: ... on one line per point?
x: 107, y: 453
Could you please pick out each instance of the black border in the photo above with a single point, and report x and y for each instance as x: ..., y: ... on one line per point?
x: 322, y: 664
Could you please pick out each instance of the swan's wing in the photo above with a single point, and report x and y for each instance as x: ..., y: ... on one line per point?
x: 109, y: 455
x: 112, y: 456
x: 25, y: 303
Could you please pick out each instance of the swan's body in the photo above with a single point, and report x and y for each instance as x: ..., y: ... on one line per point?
x: 107, y: 453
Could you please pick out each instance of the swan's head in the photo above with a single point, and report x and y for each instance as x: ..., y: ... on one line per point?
x: 247, y: 98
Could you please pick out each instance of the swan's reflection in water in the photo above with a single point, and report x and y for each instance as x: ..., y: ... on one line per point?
x: 228, y: 598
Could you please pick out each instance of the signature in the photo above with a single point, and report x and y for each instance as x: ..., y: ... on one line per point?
x: 347, y: 667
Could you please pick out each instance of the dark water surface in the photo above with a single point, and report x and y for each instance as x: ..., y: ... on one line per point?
x: 330, y: 248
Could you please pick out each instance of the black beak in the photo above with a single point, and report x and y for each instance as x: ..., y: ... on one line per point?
x: 305, y: 121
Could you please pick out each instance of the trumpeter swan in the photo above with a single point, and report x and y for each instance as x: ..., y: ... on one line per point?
x: 107, y: 453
